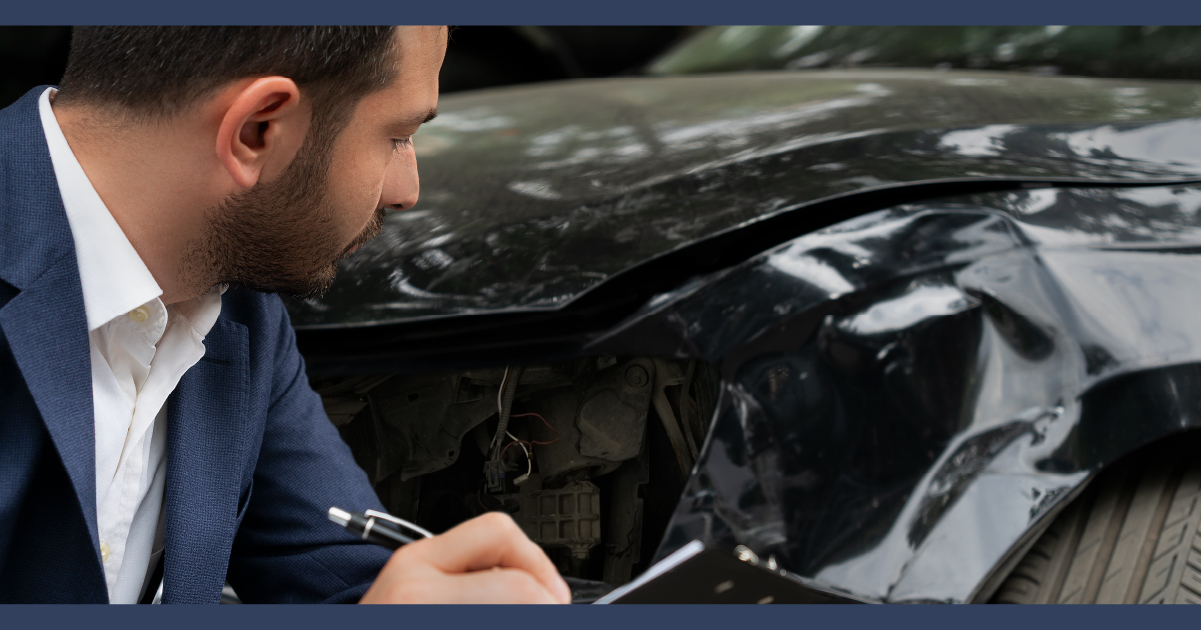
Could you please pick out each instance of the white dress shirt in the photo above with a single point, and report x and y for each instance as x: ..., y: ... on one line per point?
x: 139, y: 350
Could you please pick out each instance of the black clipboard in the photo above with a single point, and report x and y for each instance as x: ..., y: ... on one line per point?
x: 698, y: 575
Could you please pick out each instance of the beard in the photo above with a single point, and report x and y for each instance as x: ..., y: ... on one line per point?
x: 279, y: 236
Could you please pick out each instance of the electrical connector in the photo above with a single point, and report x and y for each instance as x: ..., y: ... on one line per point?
x: 494, y: 476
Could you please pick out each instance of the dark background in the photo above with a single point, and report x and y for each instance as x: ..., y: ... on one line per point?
x: 477, y: 56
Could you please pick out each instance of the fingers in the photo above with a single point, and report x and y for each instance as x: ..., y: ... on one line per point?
x: 481, y: 543
x: 491, y: 540
x: 503, y: 586
x: 500, y: 586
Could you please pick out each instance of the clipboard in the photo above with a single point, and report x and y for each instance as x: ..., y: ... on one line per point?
x: 695, y: 574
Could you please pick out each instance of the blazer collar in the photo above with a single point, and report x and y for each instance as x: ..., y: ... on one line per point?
x: 45, y: 323
x: 34, y: 232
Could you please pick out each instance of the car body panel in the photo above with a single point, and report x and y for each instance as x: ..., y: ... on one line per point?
x: 932, y: 328
x: 908, y: 396
x: 533, y: 196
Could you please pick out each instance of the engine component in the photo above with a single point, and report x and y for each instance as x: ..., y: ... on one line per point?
x: 421, y: 421
x: 562, y: 458
x: 494, y: 476
x: 415, y: 423
x: 601, y: 419
x: 679, y: 432
x: 504, y: 407
x: 567, y: 517
x: 569, y: 424
x: 344, y: 399
x: 612, y: 418
x: 623, y: 518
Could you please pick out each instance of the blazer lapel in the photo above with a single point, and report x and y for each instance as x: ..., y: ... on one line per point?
x: 45, y: 323
x: 207, y: 441
x: 48, y: 334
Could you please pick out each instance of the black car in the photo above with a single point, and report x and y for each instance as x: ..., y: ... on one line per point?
x: 912, y: 335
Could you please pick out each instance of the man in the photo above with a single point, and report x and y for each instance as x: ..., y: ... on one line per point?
x: 156, y: 419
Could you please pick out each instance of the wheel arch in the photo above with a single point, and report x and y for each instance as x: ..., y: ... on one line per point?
x: 1124, y: 423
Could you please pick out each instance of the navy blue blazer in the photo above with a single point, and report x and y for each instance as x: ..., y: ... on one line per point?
x: 253, y: 464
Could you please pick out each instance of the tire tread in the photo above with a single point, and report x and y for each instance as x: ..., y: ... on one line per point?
x: 1133, y: 537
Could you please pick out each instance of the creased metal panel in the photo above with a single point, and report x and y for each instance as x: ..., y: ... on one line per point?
x: 906, y: 395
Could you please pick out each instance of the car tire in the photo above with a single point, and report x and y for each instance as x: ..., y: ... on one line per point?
x: 1131, y: 537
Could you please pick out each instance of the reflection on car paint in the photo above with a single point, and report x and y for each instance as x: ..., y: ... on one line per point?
x: 531, y: 196
x: 906, y: 395
x: 894, y: 424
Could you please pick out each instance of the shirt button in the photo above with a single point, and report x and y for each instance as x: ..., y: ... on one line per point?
x: 139, y: 314
x: 103, y: 551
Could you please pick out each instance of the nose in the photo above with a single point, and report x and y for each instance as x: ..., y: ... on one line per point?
x: 401, y: 185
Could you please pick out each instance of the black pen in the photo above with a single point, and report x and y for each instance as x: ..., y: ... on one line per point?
x: 375, y: 527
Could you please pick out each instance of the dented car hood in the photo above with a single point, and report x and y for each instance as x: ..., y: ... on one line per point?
x: 535, y: 196
x: 938, y: 302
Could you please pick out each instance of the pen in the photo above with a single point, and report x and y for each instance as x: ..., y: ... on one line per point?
x: 379, y: 528
x: 376, y: 527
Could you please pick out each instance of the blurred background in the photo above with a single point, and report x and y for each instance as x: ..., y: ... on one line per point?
x: 477, y: 56
x: 491, y: 56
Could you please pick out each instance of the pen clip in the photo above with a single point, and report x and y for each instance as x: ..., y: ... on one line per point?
x: 384, y: 516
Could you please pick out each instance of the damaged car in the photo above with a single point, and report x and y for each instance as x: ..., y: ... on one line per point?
x: 909, y: 335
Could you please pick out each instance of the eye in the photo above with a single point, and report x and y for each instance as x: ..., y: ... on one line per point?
x: 402, y: 143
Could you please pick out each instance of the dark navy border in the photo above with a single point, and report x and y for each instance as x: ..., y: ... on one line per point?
x: 607, y: 12
x: 598, y: 617
x: 544, y: 12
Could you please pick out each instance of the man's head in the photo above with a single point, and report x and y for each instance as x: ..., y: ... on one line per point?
x: 296, y: 137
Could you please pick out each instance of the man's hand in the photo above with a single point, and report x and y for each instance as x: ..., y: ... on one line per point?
x: 487, y: 560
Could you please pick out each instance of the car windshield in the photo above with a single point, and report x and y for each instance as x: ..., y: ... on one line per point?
x: 1153, y: 52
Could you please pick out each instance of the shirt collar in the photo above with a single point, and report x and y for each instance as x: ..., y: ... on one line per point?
x: 202, y: 311
x: 114, y: 278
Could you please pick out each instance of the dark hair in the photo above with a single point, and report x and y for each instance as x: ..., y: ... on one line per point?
x: 157, y: 71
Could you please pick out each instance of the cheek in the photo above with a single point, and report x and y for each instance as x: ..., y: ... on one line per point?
x: 355, y: 190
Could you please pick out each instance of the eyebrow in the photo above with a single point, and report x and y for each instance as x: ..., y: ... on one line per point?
x: 419, y: 119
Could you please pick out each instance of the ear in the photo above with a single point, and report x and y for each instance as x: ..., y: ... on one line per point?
x: 261, y: 129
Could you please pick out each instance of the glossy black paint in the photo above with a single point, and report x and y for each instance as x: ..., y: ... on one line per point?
x: 533, y: 196
x: 963, y: 323
x: 907, y: 396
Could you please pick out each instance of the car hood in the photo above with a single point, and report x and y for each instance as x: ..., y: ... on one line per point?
x: 532, y: 196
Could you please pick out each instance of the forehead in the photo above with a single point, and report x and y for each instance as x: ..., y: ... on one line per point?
x: 420, y: 50
x: 413, y: 93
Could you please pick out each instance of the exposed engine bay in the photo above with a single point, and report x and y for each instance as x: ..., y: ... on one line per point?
x: 589, y: 457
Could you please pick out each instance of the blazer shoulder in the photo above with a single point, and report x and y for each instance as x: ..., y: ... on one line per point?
x: 268, y: 328
x: 34, y: 231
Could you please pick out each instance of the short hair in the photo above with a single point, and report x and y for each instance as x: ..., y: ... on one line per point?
x: 154, y: 72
